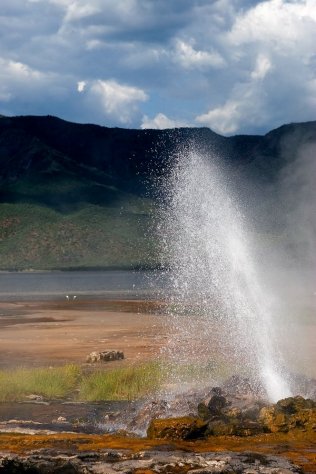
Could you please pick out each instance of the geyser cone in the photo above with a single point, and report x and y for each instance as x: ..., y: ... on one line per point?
x: 219, y: 311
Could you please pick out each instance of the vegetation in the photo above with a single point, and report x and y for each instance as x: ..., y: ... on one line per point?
x: 41, y: 238
x: 126, y: 383
x: 51, y: 383
x: 103, y: 383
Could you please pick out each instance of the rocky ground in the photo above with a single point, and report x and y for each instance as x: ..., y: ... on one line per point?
x: 146, y: 462
x: 230, y: 431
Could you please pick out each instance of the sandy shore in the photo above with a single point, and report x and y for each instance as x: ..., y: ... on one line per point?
x: 55, y: 332
x: 41, y: 333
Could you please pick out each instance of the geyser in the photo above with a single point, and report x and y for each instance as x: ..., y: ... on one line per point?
x: 220, y: 311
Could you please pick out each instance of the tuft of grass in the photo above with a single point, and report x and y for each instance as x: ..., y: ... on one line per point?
x: 127, y: 383
x: 56, y: 382
x: 104, y: 383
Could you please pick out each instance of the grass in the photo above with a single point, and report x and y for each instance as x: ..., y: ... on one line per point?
x: 126, y: 383
x: 103, y: 383
x: 56, y: 382
x: 41, y: 238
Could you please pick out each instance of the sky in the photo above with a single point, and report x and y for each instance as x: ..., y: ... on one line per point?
x: 235, y: 66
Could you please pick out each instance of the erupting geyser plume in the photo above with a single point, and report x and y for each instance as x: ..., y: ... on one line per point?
x: 219, y: 309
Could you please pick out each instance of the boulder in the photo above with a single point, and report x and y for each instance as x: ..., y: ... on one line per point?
x: 185, y: 427
x: 105, y: 356
x: 216, y: 404
x: 289, y: 414
x: 225, y: 419
x: 233, y: 427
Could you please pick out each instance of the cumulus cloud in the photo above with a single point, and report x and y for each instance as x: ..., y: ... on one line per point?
x: 237, y: 66
x: 189, y: 58
x: 223, y: 119
x: 40, y: 92
x: 283, y: 25
x: 117, y: 100
x: 16, y: 78
x: 272, y: 56
x: 160, y: 121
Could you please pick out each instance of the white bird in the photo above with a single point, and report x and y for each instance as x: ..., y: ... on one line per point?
x: 67, y: 297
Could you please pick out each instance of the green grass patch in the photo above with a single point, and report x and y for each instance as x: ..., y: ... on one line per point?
x: 101, y: 382
x: 127, y: 383
x: 56, y: 382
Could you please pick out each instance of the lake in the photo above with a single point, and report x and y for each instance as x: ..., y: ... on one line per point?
x: 109, y: 284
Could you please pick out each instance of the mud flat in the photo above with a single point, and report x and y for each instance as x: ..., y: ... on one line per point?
x: 49, y: 333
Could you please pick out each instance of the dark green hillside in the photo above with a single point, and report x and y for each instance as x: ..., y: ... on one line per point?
x: 75, y: 195
x: 39, y: 237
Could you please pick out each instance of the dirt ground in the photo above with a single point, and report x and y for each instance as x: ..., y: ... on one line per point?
x: 41, y: 333
x: 48, y: 333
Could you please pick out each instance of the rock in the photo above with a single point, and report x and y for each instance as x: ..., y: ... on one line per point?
x: 154, y: 409
x: 185, y: 427
x: 289, y: 414
x: 61, y: 419
x: 226, y: 419
x: 293, y: 405
x: 105, y: 356
x: 233, y: 427
x: 118, y: 462
x: 203, y: 411
x: 213, y: 406
x: 216, y: 404
x: 34, y: 397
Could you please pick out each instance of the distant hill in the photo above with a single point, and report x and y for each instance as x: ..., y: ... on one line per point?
x: 79, y: 196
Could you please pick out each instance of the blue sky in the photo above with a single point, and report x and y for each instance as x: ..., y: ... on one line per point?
x: 236, y: 66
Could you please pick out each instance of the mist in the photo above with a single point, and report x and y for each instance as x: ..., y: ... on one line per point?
x: 286, y: 251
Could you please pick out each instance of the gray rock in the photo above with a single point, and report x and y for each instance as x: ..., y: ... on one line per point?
x: 105, y: 356
x: 115, y: 461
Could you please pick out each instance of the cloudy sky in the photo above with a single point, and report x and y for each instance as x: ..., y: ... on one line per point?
x: 236, y: 66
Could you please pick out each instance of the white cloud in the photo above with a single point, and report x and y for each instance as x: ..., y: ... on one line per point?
x: 262, y: 68
x: 79, y: 10
x: 81, y: 85
x: 24, y: 89
x: 223, y: 119
x: 245, y: 108
x: 190, y: 58
x: 17, y: 70
x: 281, y: 23
x: 17, y: 78
x: 271, y: 55
x: 237, y: 66
x: 160, y: 122
x: 117, y: 100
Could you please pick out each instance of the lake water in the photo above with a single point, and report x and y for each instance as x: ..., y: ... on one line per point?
x: 109, y: 284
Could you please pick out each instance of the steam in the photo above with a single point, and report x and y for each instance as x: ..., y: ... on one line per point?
x: 295, y: 265
x: 298, y: 193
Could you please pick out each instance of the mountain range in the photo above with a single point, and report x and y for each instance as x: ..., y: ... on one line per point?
x: 83, y: 196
